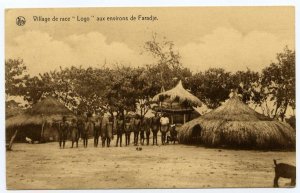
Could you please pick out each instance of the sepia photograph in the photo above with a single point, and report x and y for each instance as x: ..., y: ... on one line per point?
x: 150, y: 97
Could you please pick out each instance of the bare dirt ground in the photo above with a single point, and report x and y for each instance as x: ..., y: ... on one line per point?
x: 45, y: 166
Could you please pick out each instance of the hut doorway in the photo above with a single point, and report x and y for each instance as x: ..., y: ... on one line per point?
x: 31, y: 131
x: 196, y: 134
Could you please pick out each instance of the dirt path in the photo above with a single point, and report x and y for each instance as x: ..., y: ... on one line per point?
x: 45, y: 166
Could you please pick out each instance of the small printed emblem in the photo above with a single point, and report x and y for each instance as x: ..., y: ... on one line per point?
x: 20, y: 21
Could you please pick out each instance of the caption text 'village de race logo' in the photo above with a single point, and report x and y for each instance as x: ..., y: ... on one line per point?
x: 20, y: 21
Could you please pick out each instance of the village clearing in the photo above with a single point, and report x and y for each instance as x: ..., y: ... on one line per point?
x: 45, y: 166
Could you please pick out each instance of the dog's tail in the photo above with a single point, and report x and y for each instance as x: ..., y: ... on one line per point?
x: 275, y: 163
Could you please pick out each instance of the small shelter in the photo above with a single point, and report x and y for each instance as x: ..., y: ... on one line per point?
x: 40, y: 122
x: 235, y: 124
x: 177, y: 101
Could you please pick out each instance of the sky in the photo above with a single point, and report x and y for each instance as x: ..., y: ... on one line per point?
x: 234, y: 38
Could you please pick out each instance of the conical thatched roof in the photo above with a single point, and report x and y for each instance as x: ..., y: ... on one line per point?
x: 48, y: 109
x: 237, y: 125
x: 50, y: 106
x: 179, y: 94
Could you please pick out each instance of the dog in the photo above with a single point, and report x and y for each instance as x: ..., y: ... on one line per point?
x: 283, y: 170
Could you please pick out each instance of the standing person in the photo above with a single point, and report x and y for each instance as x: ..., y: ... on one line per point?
x: 120, y: 130
x: 142, y: 131
x: 164, y: 122
x: 74, y: 132
x: 97, y: 129
x: 148, y: 129
x: 104, y: 126
x: 80, y: 124
x: 89, y: 125
x: 110, y: 127
x: 155, y: 127
x: 136, y: 129
x: 127, y: 129
x: 63, y: 130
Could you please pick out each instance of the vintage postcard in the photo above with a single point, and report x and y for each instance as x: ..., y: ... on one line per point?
x: 161, y: 97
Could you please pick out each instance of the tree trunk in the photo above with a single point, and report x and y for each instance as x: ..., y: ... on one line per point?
x: 42, y: 132
x: 282, y: 115
x: 9, y: 148
x: 275, y: 114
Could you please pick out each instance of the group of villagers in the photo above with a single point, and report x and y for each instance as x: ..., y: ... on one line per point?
x: 106, y: 126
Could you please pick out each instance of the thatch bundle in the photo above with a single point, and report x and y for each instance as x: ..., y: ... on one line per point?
x: 235, y: 124
x: 42, y: 114
x: 178, y: 94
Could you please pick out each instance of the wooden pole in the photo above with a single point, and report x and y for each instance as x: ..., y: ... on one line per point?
x: 42, y: 132
x: 184, y: 118
x: 9, y: 148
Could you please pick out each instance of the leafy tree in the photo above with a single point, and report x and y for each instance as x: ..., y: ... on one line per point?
x: 212, y: 86
x: 124, y: 89
x: 278, y: 83
x: 247, y: 84
x: 168, y: 68
x: 15, y: 76
x: 83, y: 89
x: 34, y: 89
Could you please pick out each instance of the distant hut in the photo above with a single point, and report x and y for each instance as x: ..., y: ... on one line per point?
x: 38, y: 123
x: 12, y: 108
x: 234, y: 124
x: 177, y: 101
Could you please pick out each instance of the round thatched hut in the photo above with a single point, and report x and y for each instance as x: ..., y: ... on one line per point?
x: 177, y: 102
x: 234, y: 124
x: 38, y: 123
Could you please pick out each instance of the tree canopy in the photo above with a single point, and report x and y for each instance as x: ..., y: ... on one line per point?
x: 124, y: 88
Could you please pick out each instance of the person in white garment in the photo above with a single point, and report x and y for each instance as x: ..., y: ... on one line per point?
x: 165, y: 124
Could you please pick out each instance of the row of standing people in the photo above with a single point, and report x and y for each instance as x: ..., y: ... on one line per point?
x: 81, y: 127
x: 103, y: 127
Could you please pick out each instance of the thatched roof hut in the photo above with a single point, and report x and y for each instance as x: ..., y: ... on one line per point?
x: 176, y: 101
x: 40, y: 116
x: 178, y: 94
x: 235, y: 124
x: 48, y: 109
